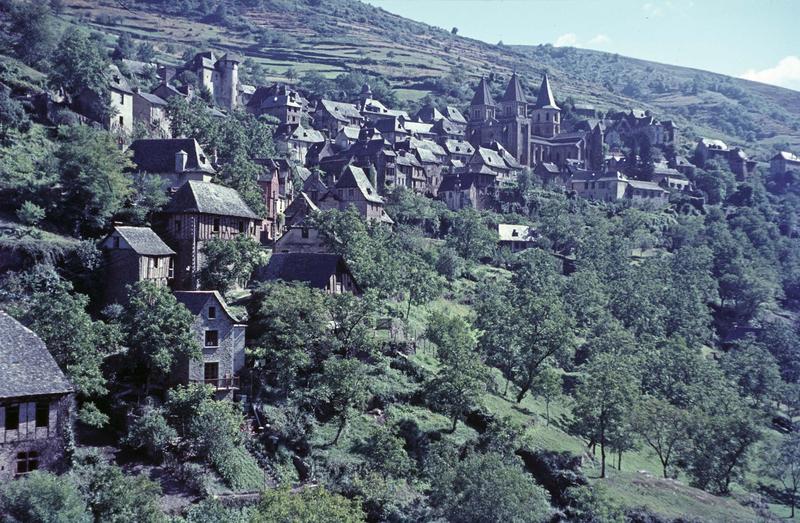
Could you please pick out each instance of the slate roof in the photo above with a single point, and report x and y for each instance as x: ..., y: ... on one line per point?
x: 458, y: 147
x: 208, y: 198
x: 787, y: 156
x: 158, y: 156
x: 340, y: 110
x: 514, y: 92
x: 444, y: 126
x: 196, y: 301
x: 454, y: 115
x: 463, y: 180
x: 116, y: 80
x: 351, y: 133
x: 482, y: 94
x: 429, y: 114
x: 26, y: 366
x: 356, y: 178
x: 649, y: 186
x: 545, y: 99
x: 418, y: 127
x: 303, y: 134
x: 427, y: 156
x: 716, y: 144
x: 315, y: 269
x: 489, y: 157
x: 508, y: 232
x: 549, y: 168
x: 144, y: 241
x: 276, y: 95
x: 153, y: 99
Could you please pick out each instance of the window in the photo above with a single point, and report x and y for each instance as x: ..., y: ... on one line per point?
x: 121, y: 121
x: 212, y: 313
x: 177, y: 226
x: 241, y: 226
x: 171, y: 268
x: 42, y: 414
x: 155, y: 262
x: 212, y: 338
x: 211, y: 371
x: 27, y: 462
x: 12, y: 417
x: 304, y: 232
x: 215, y: 226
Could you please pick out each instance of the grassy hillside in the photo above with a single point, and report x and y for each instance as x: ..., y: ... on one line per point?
x: 333, y: 36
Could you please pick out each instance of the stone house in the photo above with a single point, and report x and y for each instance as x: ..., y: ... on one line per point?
x: 516, y: 237
x: 274, y: 202
x: 300, y: 238
x: 196, y: 213
x: 461, y: 190
x: 324, y: 271
x: 615, y: 186
x: 410, y: 173
x: 297, y: 141
x: 354, y: 189
x: 222, y: 337
x: 135, y: 254
x: 36, y: 404
x: 150, y: 111
x: 119, y: 118
x: 346, y: 137
x: 737, y: 160
x: 220, y: 76
x: 331, y: 116
x: 279, y: 101
x: 669, y: 178
x: 175, y: 160
x: 784, y: 162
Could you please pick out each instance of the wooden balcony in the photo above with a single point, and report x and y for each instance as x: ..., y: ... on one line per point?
x: 228, y: 383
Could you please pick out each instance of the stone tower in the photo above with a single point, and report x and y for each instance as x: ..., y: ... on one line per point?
x: 514, y: 118
x: 482, y: 107
x: 227, y: 95
x: 546, y: 115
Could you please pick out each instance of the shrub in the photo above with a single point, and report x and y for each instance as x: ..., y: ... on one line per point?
x: 151, y: 432
x: 30, y: 214
x: 44, y: 498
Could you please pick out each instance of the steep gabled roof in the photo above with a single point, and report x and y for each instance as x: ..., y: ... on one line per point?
x: 144, y: 241
x: 482, y: 94
x: 158, y: 156
x: 340, y: 110
x: 196, y: 302
x: 514, y: 92
x: 26, y: 366
x: 545, y: 99
x: 454, y: 182
x: 315, y: 269
x: 356, y: 178
x: 209, y: 198
x: 454, y: 115
x: 152, y: 98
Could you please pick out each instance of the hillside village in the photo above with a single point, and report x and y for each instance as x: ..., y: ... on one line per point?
x: 240, y: 302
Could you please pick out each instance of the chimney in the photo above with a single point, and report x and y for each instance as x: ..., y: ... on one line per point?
x: 180, y: 161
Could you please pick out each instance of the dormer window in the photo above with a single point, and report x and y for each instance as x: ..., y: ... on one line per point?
x: 212, y: 313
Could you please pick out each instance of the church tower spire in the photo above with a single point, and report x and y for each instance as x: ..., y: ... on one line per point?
x: 482, y: 107
x: 546, y: 115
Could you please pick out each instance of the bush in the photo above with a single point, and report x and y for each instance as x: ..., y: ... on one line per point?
x: 151, y: 432
x: 41, y: 497
x: 30, y: 214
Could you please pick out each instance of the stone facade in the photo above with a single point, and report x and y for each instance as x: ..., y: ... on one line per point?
x: 222, y: 338
x: 34, y: 431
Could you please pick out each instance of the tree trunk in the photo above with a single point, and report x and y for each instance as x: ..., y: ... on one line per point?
x: 524, y: 390
x: 455, y: 422
x: 505, y: 390
x: 664, y: 468
x: 408, y: 309
x: 547, y: 411
x: 602, y: 459
x: 619, y: 461
x: 339, y: 431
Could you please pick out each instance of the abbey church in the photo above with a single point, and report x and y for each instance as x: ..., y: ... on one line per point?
x: 530, y: 132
